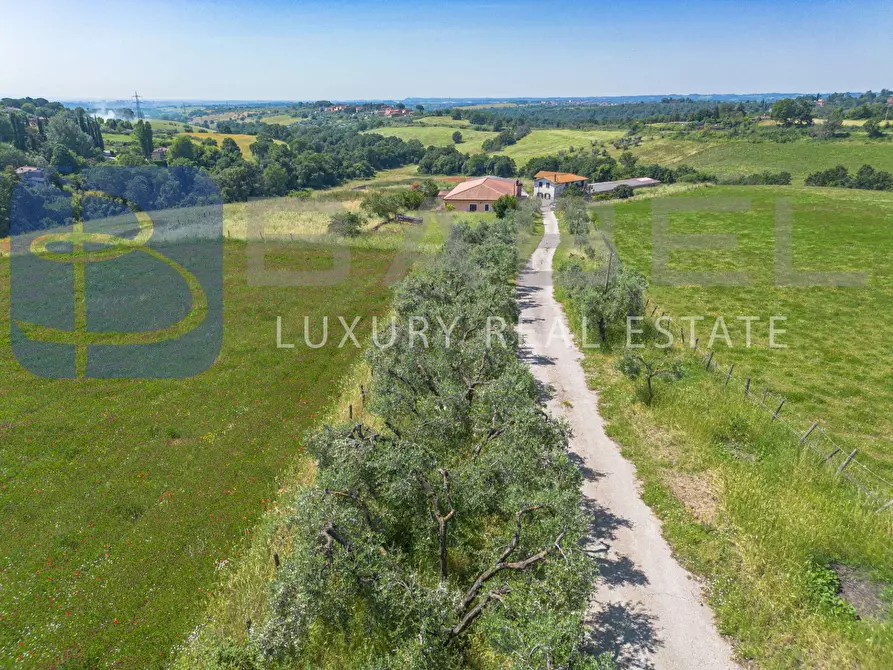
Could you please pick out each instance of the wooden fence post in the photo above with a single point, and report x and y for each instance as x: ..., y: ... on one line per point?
x: 808, y: 432
x: 350, y: 412
x: 729, y: 376
x: 747, y: 386
x: 847, y: 461
x: 765, y: 393
x: 709, y: 360
x: 363, y: 394
x: 831, y: 455
x: 275, y: 559
x: 682, y: 335
x: 697, y: 339
x: 778, y: 409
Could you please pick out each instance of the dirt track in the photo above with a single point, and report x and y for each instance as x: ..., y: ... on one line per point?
x: 647, y: 610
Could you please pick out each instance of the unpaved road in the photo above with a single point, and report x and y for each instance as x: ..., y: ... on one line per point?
x: 647, y: 611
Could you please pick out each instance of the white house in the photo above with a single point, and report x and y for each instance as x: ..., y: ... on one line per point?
x: 550, y: 184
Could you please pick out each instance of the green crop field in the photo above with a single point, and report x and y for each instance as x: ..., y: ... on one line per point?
x: 799, y: 158
x: 440, y: 136
x: 825, y: 372
x: 125, y: 501
x: 551, y: 141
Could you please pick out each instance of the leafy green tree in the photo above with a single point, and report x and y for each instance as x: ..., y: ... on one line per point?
x: 382, y: 205
x: 623, y: 191
x: 457, y: 137
x: 130, y: 159
x: 873, y: 129
x: 503, y: 204
x: 64, y: 129
x: 790, y: 112
x: 346, y: 224
x: 275, y: 180
x: 430, y: 188
x: 142, y: 131
x: 604, y: 298
x: 181, y: 147
x: 64, y: 160
x: 411, y: 199
x: 628, y: 162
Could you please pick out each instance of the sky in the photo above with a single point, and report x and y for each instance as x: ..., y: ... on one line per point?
x: 348, y: 50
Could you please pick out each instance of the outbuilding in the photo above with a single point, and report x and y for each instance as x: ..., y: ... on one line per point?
x: 608, y: 186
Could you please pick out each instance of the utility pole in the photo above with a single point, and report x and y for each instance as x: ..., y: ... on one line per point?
x: 139, y: 110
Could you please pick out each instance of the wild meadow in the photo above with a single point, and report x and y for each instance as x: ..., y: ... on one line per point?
x: 127, y: 501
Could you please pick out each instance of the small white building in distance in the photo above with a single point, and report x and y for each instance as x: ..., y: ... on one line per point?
x: 549, y: 185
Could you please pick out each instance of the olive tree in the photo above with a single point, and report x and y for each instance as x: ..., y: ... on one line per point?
x: 458, y: 517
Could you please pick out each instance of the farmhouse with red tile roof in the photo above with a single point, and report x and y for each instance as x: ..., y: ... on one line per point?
x: 478, y: 195
x: 550, y: 184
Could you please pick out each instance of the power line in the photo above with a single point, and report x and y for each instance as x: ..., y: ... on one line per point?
x: 139, y: 110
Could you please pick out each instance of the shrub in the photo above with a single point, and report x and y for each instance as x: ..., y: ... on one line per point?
x: 346, y: 224
x: 503, y: 204
x: 623, y: 192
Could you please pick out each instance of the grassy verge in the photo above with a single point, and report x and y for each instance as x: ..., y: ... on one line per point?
x: 774, y: 535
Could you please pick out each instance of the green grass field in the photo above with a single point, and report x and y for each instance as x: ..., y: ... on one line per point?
x: 799, y: 158
x: 167, y: 126
x: 442, y: 121
x: 243, y: 141
x: 835, y: 351
x: 757, y: 518
x: 118, y: 138
x: 282, y: 119
x: 440, y: 136
x: 126, y: 501
x: 551, y: 141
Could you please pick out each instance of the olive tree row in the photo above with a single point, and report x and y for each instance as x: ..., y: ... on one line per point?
x: 450, y: 531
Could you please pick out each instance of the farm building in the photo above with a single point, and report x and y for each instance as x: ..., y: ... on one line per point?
x: 550, y: 184
x: 159, y: 154
x: 478, y: 195
x: 608, y: 186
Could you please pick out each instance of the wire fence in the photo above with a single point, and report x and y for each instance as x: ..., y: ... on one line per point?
x: 811, y: 439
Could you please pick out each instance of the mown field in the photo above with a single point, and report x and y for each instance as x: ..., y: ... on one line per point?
x: 773, y: 534
x: 799, y: 158
x: 282, y: 119
x: 542, y: 142
x: 440, y: 136
x: 125, y: 502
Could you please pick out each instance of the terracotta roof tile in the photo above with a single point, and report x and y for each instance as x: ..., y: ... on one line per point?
x: 559, y: 177
x: 482, y: 188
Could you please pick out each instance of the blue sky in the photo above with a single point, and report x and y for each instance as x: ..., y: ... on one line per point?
x: 345, y: 49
